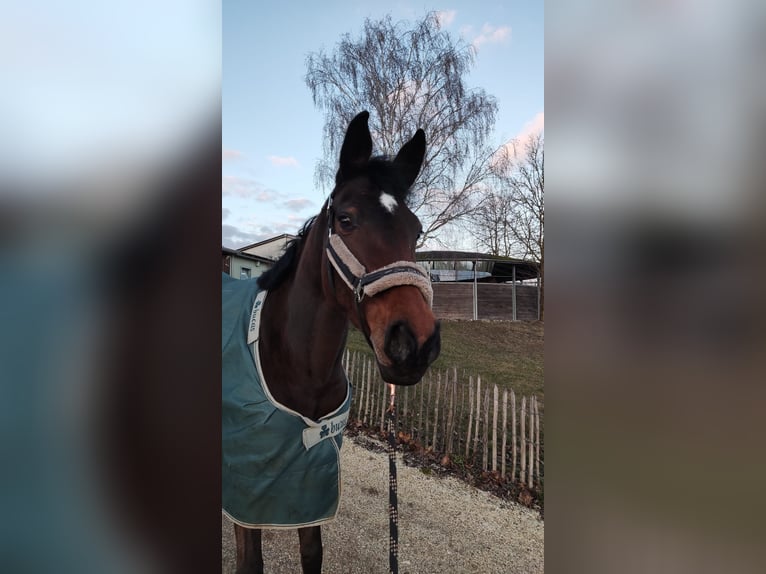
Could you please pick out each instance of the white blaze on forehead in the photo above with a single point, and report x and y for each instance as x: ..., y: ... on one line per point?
x: 388, y: 201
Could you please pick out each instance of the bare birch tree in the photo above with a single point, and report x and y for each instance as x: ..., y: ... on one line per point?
x: 525, y: 184
x: 510, y: 221
x: 409, y: 78
x: 528, y: 186
x: 490, y: 223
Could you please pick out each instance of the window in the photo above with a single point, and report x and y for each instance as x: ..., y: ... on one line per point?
x: 244, y: 273
x: 485, y: 266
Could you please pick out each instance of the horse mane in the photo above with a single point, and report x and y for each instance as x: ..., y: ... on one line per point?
x: 274, y: 277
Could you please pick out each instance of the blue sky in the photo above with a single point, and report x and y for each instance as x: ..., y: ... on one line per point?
x: 272, y: 133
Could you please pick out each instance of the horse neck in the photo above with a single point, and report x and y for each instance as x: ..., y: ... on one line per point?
x: 303, y: 335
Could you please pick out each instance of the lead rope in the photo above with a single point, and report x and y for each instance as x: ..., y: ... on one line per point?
x: 393, y: 513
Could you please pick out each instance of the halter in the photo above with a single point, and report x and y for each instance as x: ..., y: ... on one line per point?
x: 369, y: 284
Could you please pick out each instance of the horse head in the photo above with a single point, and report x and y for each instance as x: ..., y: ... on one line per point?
x: 371, y: 240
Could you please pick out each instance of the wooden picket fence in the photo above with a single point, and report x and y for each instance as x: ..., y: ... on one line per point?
x: 456, y: 416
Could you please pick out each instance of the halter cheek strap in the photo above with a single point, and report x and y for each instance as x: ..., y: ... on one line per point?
x: 369, y: 284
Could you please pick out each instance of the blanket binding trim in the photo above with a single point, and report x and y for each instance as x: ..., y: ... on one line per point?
x: 255, y: 318
x: 302, y: 525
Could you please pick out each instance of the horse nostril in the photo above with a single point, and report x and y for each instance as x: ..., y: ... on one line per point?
x: 400, y: 343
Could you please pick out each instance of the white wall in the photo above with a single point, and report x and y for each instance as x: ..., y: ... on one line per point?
x: 237, y: 263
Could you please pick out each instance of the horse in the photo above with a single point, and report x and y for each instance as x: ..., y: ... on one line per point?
x: 353, y: 262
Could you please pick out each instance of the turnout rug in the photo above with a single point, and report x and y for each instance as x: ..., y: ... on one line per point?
x: 280, y: 469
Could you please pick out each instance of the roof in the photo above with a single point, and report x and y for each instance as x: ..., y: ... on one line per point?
x: 287, y: 236
x: 463, y: 256
x: 502, y: 267
x: 238, y: 253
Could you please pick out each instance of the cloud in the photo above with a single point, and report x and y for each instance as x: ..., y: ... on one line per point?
x: 246, y: 188
x: 292, y: 225
x: 234, y: 237
x: 225, y: 213
x: 533, y: 127
x: 489, y: 34
x: 280, y: 161
x: 231, y: 154
x: 445, y: 17
x: 298, y: 204
x: 266, y: 195
x: 515, y: 146
x: 296, y: 220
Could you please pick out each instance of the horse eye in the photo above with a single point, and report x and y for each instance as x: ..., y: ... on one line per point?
x: 346, y: 224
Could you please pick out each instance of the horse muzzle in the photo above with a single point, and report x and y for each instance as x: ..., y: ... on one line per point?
x: 408, y: 361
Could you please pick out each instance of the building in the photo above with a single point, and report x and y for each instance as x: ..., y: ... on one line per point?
x: 243, y: 265
x: 252, y: 260
x: 471, y: 285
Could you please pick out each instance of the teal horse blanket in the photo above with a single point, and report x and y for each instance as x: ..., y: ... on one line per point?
x: 280, y: 469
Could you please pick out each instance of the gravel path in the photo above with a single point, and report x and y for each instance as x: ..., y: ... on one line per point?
x: 444, y: 526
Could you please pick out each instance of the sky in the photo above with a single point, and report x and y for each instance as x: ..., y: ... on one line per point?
x: 272, y: 132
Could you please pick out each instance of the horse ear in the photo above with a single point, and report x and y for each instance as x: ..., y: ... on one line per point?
x: 357, y: 145
x: 410, y: 157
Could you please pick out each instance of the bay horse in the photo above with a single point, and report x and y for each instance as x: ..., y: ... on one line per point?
x: 353, y: 262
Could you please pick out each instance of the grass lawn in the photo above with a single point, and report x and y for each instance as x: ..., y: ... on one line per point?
x: 506, y: 353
